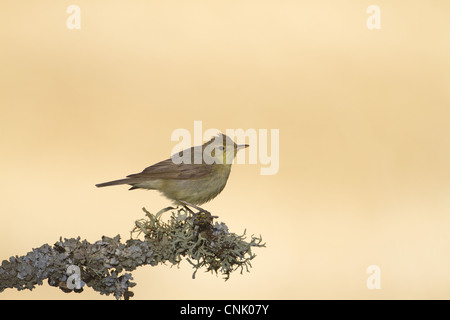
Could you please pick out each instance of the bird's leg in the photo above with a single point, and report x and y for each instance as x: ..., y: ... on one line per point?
x: 187, y: 209
x: 200, y: 210
x: 183, y: 207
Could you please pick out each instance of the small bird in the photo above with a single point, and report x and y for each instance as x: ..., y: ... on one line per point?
x: 189, y: 183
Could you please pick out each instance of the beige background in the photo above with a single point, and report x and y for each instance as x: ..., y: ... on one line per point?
x: 364, y: 136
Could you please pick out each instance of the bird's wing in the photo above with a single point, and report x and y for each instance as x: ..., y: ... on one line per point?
x: 167, y: 169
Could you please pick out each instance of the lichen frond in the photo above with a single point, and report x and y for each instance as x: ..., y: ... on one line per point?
x: 195, y: 237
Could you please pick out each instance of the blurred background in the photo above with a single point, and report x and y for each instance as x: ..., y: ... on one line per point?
x: 364, y: 120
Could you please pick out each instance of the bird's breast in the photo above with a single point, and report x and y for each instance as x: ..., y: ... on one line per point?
x: 200, y: 190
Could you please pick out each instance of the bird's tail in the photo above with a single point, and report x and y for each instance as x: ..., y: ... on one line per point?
x: 115, y: 183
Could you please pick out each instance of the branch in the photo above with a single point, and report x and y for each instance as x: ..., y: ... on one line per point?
x: 71, y: 263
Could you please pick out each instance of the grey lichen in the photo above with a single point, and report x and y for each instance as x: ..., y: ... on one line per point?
x: 101, y: 265
x: 194, y: 236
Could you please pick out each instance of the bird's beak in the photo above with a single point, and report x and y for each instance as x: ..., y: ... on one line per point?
x: 241, y: 146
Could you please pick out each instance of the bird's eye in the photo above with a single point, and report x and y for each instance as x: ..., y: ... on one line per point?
x: 221, y: 148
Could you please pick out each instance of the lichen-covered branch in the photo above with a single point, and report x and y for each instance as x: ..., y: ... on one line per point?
x: 70, y: 264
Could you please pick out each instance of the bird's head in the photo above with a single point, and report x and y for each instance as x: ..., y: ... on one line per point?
x: 221, y: 149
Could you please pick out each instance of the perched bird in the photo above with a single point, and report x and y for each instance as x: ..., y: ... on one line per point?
x: 187, y: 181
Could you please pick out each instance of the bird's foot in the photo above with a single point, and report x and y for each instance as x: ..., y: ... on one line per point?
x: 186, y: 205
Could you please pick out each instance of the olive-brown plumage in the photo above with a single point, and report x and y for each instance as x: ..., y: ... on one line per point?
x: 188, y: 181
